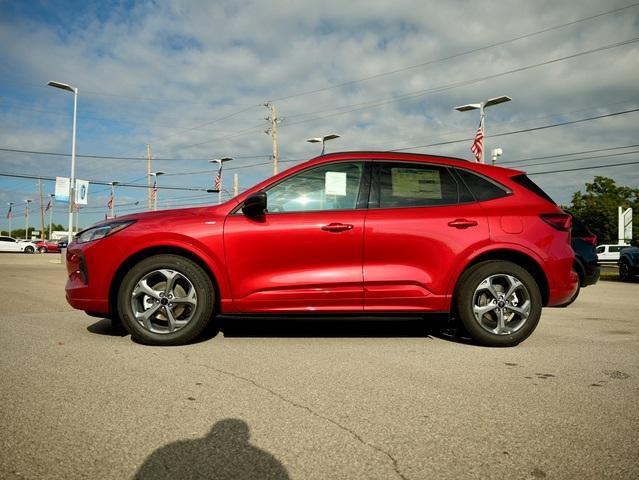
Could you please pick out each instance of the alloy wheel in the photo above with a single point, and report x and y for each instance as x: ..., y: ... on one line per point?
x: 164, y: 301
x: 501, y: 304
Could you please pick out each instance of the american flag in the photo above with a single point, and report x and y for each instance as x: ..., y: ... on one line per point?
x: 154, y: 192
x: 10, y: 213
x: 478, y: 144
x: 110, y: 202
x: 217, y: 184
x: 48, y: 206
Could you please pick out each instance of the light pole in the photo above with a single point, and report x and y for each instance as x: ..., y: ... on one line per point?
x: 113, y: 184
x: 74, y: 90
x: 154, y: 193
x: 26, y: 219
x: 10, y: 216
x: 217, y: 184
x: 323, y: 139
x: 52, y: 200
x: 482, y: 116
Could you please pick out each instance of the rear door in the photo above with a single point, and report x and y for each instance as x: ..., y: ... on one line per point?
x: 305, y: 254
x: 421, y: 221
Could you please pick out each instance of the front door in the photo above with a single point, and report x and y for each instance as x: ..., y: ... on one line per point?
x: 305, y: 253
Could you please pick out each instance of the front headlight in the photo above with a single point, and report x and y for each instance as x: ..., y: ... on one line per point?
x: 101, y: 231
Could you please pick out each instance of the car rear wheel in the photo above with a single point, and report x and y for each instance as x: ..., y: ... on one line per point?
x: 29, y: 249
x: 165, y: 300
x: 624, y: 271
x: 42, y: 249
x: 499, y: 303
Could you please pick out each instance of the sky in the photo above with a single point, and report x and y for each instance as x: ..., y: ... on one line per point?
x: 190, y: 79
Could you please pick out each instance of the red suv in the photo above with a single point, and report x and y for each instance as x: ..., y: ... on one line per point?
x: 348, y: 233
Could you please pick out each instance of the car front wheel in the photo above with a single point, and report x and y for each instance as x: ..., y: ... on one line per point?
x: 499, y: 303
x: 42, y: 249
x: 29, y: 249
x: 165, y: 300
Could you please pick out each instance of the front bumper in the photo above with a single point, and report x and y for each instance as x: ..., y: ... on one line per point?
x: 84, y: 290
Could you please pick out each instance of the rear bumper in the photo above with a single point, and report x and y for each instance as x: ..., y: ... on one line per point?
x: 563, y: 282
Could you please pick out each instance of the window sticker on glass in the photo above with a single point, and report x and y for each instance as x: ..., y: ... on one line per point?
x: 336, y: 183
x: 414, y: 183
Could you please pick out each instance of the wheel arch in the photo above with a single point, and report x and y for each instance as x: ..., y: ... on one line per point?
x: 159, y: 250
x: 517, y: 257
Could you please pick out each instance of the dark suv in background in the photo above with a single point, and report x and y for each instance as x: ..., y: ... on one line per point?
x: 629, y: 264
x: 583, y: 243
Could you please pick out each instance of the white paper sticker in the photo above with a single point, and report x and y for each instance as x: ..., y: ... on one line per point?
x: 336, y: 183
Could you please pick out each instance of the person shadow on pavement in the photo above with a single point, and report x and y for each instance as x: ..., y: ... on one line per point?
x: 225, y: 453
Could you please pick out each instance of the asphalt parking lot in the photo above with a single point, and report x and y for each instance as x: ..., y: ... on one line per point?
x: 316, y: 399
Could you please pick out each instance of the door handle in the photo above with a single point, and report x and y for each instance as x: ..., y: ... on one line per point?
x: 337, y: 227
x: 462, y: 223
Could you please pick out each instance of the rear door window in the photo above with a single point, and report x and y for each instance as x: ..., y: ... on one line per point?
x: 414, y: 185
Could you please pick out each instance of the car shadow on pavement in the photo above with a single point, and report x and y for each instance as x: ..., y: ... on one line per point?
x: 107, y: 327
x: 225, y: 453
x: 323, y: 327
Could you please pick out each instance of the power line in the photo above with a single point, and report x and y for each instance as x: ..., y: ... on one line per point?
x: 576, y: 159
x: 568, y: 154
x: 420, y: 93
x: 408, y: 96
x: 525, y: 130
x: 584, y: 168
x: 110, y: 157
x: 102, y: 182
x: 456, y: 55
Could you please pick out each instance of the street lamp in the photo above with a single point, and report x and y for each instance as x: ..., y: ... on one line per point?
x: 10, y: 216
x: 482, y: 115
x: 154, y: 193
x: 52, y: 201
x: 323, y: 140
x: 218, y: 178
x: 112, y: 201
x: 496, y: 153
x: 26, y: 219
x: 74, y: 90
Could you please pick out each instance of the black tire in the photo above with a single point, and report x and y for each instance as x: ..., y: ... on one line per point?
x: 191, y: 280
x: 42, y: 249
x: 624, y: 271
x: 29, y: 249
x: 471, y: 293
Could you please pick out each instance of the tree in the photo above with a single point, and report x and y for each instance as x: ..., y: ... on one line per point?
x: 598, y: 207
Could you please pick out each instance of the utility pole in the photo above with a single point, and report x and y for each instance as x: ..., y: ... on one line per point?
x: 52, y: 200
x: 149, y: 194
x: 236, y: 184
x: 41, y: 209
x: 10, y: 218
x: 26, y: 219
x: 272, y: 131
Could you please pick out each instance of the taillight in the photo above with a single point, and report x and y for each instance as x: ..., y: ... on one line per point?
x: 560, y: 221
x: 591, y: 239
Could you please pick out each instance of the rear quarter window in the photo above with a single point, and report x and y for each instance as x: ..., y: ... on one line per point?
x: 482, y: 188
x: 528, y: 184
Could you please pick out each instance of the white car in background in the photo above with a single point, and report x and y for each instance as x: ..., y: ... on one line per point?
x: 8, y: 244
x: 609, y: 253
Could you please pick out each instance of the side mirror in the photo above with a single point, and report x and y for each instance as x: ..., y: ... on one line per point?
x: 255, y: 204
